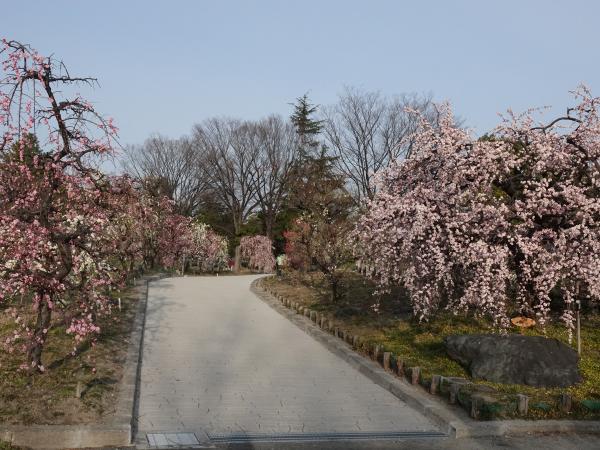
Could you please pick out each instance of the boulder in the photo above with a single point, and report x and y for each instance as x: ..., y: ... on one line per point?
x: 515, y: 359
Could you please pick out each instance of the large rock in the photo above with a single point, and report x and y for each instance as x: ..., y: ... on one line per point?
x: 515, y: 359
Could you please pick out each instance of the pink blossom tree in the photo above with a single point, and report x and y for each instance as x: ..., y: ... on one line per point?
x: 175, y: 240
x: 495, y: 225
x: 209, y: 248
x: 257, y: 253
x: 297, y: 245
x: 163, y: 236
x: 127, y: 225
x: 68, y: 232
x: 54, y: 203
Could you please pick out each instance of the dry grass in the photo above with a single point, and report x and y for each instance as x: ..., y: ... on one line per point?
x: 50, y: 398
x: 421, y: 344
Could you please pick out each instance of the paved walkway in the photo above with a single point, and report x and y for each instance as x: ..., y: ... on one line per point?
x: 218, y: 360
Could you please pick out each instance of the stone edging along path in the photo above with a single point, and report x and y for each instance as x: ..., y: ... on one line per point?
x: 451, y: 420
x: 118, y: 430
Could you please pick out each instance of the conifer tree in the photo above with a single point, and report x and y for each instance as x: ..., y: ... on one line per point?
x: 307, y: 127
x: 318, y: 196
x: 314, y: 179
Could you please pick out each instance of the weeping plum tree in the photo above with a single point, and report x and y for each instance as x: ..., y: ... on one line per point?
x: 492, y: 225
x: 209, y: 248
x: 68, y: 232
x: 257, y: 252
x: 53, y: 202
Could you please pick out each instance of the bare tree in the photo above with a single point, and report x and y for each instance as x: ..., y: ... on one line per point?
x: 366, y: 132
x: 277, y: 152
x: 177, y: 165
x: 231, y: 150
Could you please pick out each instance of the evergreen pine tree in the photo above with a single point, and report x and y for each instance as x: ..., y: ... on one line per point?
x: 314, y: 182
x: 307, y: 127
x: 320, y: 201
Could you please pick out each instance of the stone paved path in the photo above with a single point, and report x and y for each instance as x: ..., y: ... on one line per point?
x: 218, y: 360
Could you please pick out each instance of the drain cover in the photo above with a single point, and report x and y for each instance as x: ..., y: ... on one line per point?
x: 173, y: 440
x: 293, y: 437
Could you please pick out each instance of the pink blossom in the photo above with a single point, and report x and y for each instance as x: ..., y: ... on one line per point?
x: 495, y: 225
x: 257, y: 252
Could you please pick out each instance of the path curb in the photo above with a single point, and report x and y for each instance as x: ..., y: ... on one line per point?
x: 448, y: 421
x: 118, y: 431
x: 454, y: 421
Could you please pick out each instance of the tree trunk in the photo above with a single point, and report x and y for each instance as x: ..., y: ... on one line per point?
x: 237, y: 261
x: 39, y: 337
x: 270, y: 216
x: 237, y: 222
x: 269, y: 228
x: 334, y: 283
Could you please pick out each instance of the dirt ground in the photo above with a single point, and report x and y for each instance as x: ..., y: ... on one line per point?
x: 50, y: 397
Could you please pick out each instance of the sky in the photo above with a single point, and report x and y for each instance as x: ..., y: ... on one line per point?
x: 163, y: 66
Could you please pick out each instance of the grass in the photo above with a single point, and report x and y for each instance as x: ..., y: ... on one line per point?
x: 421, y: 344
x: 50, y: 398
x: 7, y: 446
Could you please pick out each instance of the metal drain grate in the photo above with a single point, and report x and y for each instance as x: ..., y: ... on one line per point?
x: 171, y: 440
x: 294, y: 437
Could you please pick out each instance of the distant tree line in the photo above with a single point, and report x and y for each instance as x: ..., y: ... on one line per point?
x: 247, y: 177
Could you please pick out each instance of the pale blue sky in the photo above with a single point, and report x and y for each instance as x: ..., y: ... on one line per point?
x: 163, y: 66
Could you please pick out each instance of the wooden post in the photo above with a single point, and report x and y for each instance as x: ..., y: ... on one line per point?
x: 454, y: 389
x: 565, y: 403
x: 435, y: 384
x: 376, y: 352
x: 399, y: 367
x: 522, y: 404
x: 386, y: 361
x: 476, y: 403
x: 415, y: 374
x: 578, y: 303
